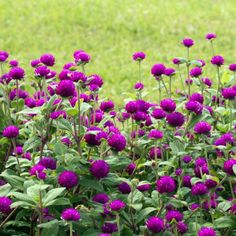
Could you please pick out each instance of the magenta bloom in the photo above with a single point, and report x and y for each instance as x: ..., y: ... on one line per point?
x: 182, y: 227
x: 109, y: 227
x: 65, y: 88
x: 3, y: 56
x: 175, y: 119
x: 49, y: 163
x: 81, y: 57
x: 217, y: 60
x: 35, y: 63
x: 202, y: 127
x: 166, y: 184
x: 124, y: 188
x: 131, y: 107
x: 169, y: 72
x: 155, y: 134
x: 107, y: 106
x: 13, y: 63
x: 155, y: 224
x: 11, y: 131
x: 41, y: 71
x: 228, y: 166
x: 207, y: 81
x: 199, y: 189
x: 186, y: 159
x: 206, y: 231
x: 232, y: 67
x: 224, y: 140
x: 17, y: 73
x: 229, y: 93
x: 158, y: 69
x: 174, y: 214
x: 139, y: 86
x: 117, y: 205
x: 139, y: 56
x: 5, y: 205
x: 188, y: 42
x: 101, y: 198
x: 197, y: 97
x: 38, y: 171
x: 47, y: 59
x: 68, y: 179
x: 168, y: 105
x: 99, y: 169
x: 194, y: 106
x: 70, y: 214
x: 158, y: 113
x: 210, y: 36
x: 196, y: 72
x: 143, y: 187
x: 117, y: 142
x: 176, y: 61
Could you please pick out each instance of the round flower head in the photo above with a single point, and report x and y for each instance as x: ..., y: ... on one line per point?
x: 203, y: 63
x: 143, y: 187
x: 197, y: 97
x: 187, y: 181
x: 68, y: 179
x: 174, y: 214
x: 182, y: 227
x: 199, y: 189
x: 35, y: 63
x: 210, y: 36
x: 70, y: 214
x: 224, y: 140
x: 47, y: 59
x: 82, y: 57
x: 187, y: 42
x: 155, y: 224
x: 130, y: 168
x: 41, y: 71
x: 207, y: 82
x: 124, y: 188
x: 139, y: 86
x: 3, y: 56
x: 131, y: 107
x: 117, y: 205
x: 17, y: 73
x: 206, y: 231
x: 176, y: 61
x: 165, y: 184
x: 187, y: 159
x: 109, y: 227
x: 158, y: 69
x: 107, y: 106
x: 210, y: 183
x: 65, y: 88
x: 175, y: 119
x: 99, y: 169
x: 65, y: 74
x: 228, y: 166
x: 217, y: 60
x: 202, y: 127
x: 169, y: 72
x: 95, y: 80
x: 101, y: 198
x: 49, y: 163
x: 155, y: 134
x: 232, y: 67
x: 19, y: 150
x: 168, y: 105
x: 194, y: 106
x: 188, y: 81
x: 117, y: 142
x: 11, y: 131
x: 139, y: 56
x: 229, y: 93
x: 94, y: 138
x: 158, y: 113
x: 78, y: 76
x: 13, y: 63
x: 38, y: 171
x: 5, y: 205
x: 196, y: 72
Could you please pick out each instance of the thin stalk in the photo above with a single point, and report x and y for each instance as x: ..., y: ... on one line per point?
x: 212, y: 48
x: 139, y: 70
x: 164, y: 85
x: 231, y: 188
x: 218, y: 84
x: 118, y: 224
x: 40, y: 213
x: 170, y: 85
x: 181, y: 79
x: 187, y: 66
x: 8, y: 217
x: 71, y: 229
x: 17, y: 159
x: 231, y: 116
x: 159, y: 88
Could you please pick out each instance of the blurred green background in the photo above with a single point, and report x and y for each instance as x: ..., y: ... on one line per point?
x: 111, y: 30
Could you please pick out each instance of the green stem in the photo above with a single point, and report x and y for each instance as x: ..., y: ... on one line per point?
x: 187, y: 66
x: 118, y: 224
x: 18, y: 162
x: 40, y: 213
x: 71, y: 229
x: 139, y: 70
x: 170, y: 86
x: 212, y: 48
x: 218, y: 84
x: 159, y: 82
x: 231, y: 188
x: 164, y: 85
x: 181, y: 79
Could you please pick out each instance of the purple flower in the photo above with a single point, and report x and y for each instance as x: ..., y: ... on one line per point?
x: 5, y: 205
x: 117, y: 142
x: 144, y: 187
x: 168, y: 105
x: 65, y: 74
x: 68, y: 179
x: 117, y: 205
x: 178, y: 171
x: 203, y: 63
x: 176, y: 61
x: 109, y: 227
x: 217, y: 60
x: 158, y: 69
x: 35, y: 63
x: 175, y: 119
x: 187, y: 159
x: 38, y: 171
x: 202, y: 127
x: 47, y: 59
x: 19, y: 150
x: 166, y: 184
x: 210, y: 183
x: 27, y: 156
x: 3, y: 56
x: 187, y: 42
x: 155, y: 151
x: 210, y: 36
x: 200, y: 161
x: 155, y: 224
x: 187, y: 181
x: 194, y: 106
x: 99, y: 169
x: 65, y: 88
x: 70, y: 214
x: 54, y: 115
x: 158, y: 113
x: 124, y: 188
x: 11, y: 131
x: 228, y: 166
x: 188, y: 81
x: 139, y: 86
x: 169, y: 71
x: 155, y: 134
x: 81, y: 57
x: 131, y: 107
x: 130, y: 168
x: 41, y: 71
x: 17, y: 73
x: 206, y: 231
x: 224, y: 140
x: 196, y: 72
x: 139, y: 56
x: 107, y: 106
x: 194, y: 206
x: 174, y: 214
x: 207, y: 81
x: 197, y: 97
x: 232, y: 67
x: 229, y: 93
x: 13, y: 63
x: 199, y: 189
x: 201, y: 170
x: 49, y: 163
x: 101, y: 198
x: 95, y: 80
x: 182, y: 227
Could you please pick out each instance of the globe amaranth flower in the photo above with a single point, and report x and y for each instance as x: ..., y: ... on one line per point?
x: 186, y: 159
x: 35, y: 63
x: 176, y: 61
x: 65, y: 88
x: 68, y: 179
x: 95, y: 80
x: 155, y: 151
x: 38, y: 170
x: 229, y: 93
x: 11, y: 131
x: 47, y: 59
x: 166, y: 184
x: 187, y: 181
x: 217, y: 60
x: 196, y: 72
x: 203, y: 63
x: 109, y: 227
x: 228, y: 166
x: 70, y: 214
x: 139, y: 56
x: 182, y: 228
x: 199, y: 189
x: 131, y: 107
x: 130, y: 168
x: 41, y: 71
x: 194, y: 106
x: 101, y: 198
x: 3, y: 56
x: 201, y: 170
x: 224, y: 140
x: 158, y: 69
x: 175, y: 119
x: 210, y: 183
x: 232, y: 67
x: 124, y: 188
x: 17, y: 93
x: 202, y: 127
x: 17, y: 73
x: 155, y: 224
x: 174, y: 214
x: 139, y: 86
x: 158, y: 113
x: 81, y: 57
x: 27, y: 155
x: 188, y: 81
x: 144, y: 187
x: 65, y: 74
x: 155, y: 134
x: 56, y: 114
x: 178, y: 171
x: 188, y: 42
x: 5, y: 205
x: 197, y: 97
x: 107, y: 106
x: 19, y: 150
x: 48, y: 162
x: 212, y: 204
x: 210, y: 36
x: 169, y: 72
x: 13, y: 63
x: 168, y: 105
x: 117, y: 142
x: 206, y: 231
x: 117, y: 205
x: 99, y: 169
x: 207, y: 82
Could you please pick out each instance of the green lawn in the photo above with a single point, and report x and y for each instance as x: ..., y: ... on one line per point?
x: 111, y: 30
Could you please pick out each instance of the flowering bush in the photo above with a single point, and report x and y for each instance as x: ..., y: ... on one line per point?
x: 73, y: 163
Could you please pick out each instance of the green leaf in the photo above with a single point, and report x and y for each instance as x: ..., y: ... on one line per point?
x: 59, y: 202
x: 118, y: 162
x: 234, y: 169
x: 144, y: 213
x: 224, y: 206
x: 14, y: 180
x: 90, y: 182
x: 84, y: 107
x: 22, y: 204
x: 18, y: 104
x: 224, y: 222
x: 72, y: 111
x: 50, y: 228
x: 60, y: 148
x: 31, y: 143
x: 23, y: 197
x: 52, y: 194
x: 64, y: 124
x: 225, y: 78
x: 33, y: 191
x: 5, y: 189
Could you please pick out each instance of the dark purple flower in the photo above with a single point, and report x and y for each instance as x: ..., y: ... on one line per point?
x: 124, y: 188
x: 78, y: 76
x: 35, y: 63
x: 99, y: 169
x: 139, y: 56
x: 199, y: 189
x: 202, y: 127
x: 232, y: 67
x: 187, y: 42
x: 11, y: 131
x: 139, y: 86
x: 68, y: 179
x: 5, y: 205
x: 95, y: 80
x: 47, y: 59
x: 66, y: 141
x: 65, y: 74
x: 229, y: 93
x: 158, y: 113
x: 3, y: 56
x: 109, y: 227
x: 207, y: 81
x: 56, y: 114
x: 176, y: 61
x: 201, y: 170
x: 196, y: 72
x: 228, y: 166
x: 117, y: 142
x: 130, y: 168
x: 13, y: 63
x: 187, y: 181
x: 178, y: 171
x: 203, y: 63
x: 107, y: 106
x: 187, y: 159
x: 175, y: 119
x: 217, y: 60
x: 131, y: 107
x: 194, y: 206
x: 38, y: 171
x: 41, y: 71
x: 81, y: 57
x: 17, y: 73
x: 197, y: 97
x: 224, y: 140
x: 182, y: 227
x: 158, y: 69
x: 70, y: 214
x: 174, y: 214
x: 27, y: 156
x: 19, y: 150
x: 144, y: 187
x: 101, y: 198
x: 155, y: 134
x: 169, y: 71
x: 65, y: 88
x: 166, y: 184
x: 49, y: 163
x: 210, y: 183
x: 155, y: 151
x: 168, y: 105
x: 206, y: 231
x: 188, y: 81
x: 117, y: 205
x: 194, y: 106
x: 155, y: 224
x: 210, y: 36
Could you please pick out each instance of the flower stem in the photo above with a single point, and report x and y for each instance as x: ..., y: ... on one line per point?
x: 170, y: 86
x: 18, y: 162
x: 118, y: 224
x: 139, y: 70
x: 71, y: 229
x: 231, y: 188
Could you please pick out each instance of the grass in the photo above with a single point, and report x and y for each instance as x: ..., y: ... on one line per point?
x: 112, y: 30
